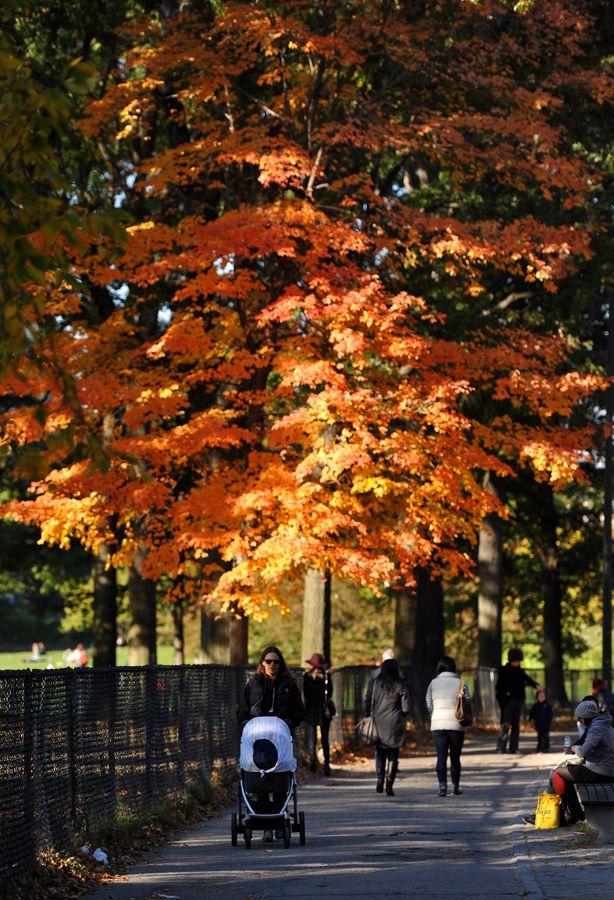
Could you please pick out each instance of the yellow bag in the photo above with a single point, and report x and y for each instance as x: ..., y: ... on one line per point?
x: 548, y: 811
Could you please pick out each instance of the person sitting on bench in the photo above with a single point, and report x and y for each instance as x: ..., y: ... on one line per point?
x: 595, y: 754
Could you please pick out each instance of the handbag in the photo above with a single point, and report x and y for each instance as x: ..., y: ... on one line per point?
x: 463, y: 711
x: 548, y: 811
x: 367, y: 730
x: 330, y: 710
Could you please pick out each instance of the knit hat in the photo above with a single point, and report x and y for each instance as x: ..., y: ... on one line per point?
x: 515, y: 655
x: 586, y: 709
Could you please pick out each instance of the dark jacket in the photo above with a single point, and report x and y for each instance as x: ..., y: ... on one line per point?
x: 597, y: 746
x: 263, y: 697
x: 541, y: 713
x: 605, y: 699
x: 316, y: 691
x: 511, y: 683
x: 389, y: 709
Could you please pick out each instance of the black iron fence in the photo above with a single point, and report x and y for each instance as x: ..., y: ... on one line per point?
x: 78, y: 745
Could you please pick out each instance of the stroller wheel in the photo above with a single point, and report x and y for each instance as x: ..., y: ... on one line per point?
x: 287, y: 833
x: 301, y: 827
x: 248, y: 837
x: 233, y: 829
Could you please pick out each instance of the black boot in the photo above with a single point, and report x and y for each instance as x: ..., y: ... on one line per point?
x: 392, y: 774
x: 380, y: 769
x: 502, y: 739
x: 571, y: 808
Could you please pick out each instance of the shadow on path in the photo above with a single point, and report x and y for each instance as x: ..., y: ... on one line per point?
x: 363, y: 844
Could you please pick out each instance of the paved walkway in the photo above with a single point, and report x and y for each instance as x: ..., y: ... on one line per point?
x: 361, y: 844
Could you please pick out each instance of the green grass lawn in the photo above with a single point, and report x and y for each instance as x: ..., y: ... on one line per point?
x: 18, y: 659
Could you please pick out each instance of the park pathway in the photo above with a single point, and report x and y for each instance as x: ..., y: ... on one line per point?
x: 361, y: 844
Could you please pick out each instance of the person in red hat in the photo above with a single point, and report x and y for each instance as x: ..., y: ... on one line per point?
x: 319, y: 707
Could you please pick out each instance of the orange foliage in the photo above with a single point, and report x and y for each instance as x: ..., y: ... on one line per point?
x: 295, y: 400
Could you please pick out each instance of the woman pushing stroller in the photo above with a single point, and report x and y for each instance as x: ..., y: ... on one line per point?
x: 272, y: 691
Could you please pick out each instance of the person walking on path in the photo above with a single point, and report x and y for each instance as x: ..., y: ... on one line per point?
x: 389, y: 705
x: 319, y: 708
x: 509, y: 691
x: 448, y: 733
x: 272, y: 691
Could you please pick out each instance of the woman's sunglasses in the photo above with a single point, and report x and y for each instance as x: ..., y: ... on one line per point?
x: 272, y: 662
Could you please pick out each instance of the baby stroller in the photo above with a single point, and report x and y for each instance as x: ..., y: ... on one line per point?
x: 267, y: 788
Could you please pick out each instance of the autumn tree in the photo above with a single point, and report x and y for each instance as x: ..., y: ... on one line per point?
x: 331, y: 205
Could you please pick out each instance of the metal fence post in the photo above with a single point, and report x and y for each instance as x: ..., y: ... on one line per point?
x: 28, y: 757
x: 71, y: 731
x: 150, y: 686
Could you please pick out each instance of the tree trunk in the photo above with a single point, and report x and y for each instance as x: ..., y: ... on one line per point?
x: 405, y: 626
x: 214, y: 637
x: 316, y: 614
x: 238, y: 632
x: 490, y: 566
x: 429, y: 634
x: 178, y: 635
x: 428, y: 646
x: 552, y: 646
x: 142, y: 602
x: 104, y: 628
x: 606, y: 657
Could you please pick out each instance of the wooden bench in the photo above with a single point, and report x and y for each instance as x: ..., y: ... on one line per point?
x: 598, y: 803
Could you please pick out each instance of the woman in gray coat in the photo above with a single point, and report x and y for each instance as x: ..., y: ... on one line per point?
x: 388, y: 703
x: 448, y: 734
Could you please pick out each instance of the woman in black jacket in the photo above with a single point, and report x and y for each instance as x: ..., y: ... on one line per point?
x: 388, y: 703
x: 509, y: 692
x: 271, y: 691
x: 319, y: 710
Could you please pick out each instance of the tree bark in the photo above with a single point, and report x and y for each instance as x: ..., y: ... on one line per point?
x: 552, y: 645
x: 490, y: 567
x: 428, y: 644
x: 405, y: 626
x: 178, y: 634
x: 238, y: 632
x: 606, y: 641
x: 142, y: 602
x: 429, y: 634
x: 104, y: 628
x: 214, y: 637
x: 316, y: 614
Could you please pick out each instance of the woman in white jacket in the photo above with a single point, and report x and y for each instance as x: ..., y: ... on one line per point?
x: 448, y: 733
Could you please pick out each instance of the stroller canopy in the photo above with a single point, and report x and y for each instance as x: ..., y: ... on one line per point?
x: 266, y: 746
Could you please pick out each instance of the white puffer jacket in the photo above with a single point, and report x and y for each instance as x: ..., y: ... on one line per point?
x: 441, y: 697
